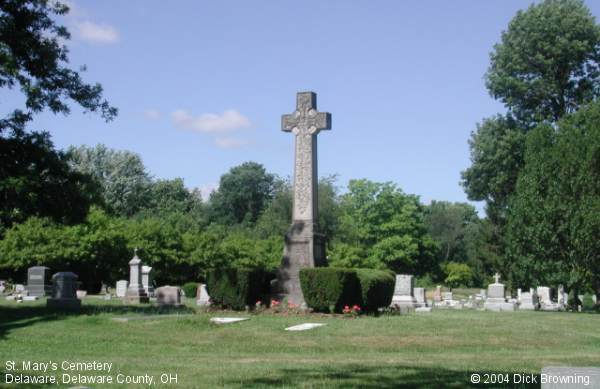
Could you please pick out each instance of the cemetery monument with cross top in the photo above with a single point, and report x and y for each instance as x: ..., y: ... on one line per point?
x: 304, y: 244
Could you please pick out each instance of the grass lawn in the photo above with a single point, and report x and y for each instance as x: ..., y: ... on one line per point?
x: 440, y: 349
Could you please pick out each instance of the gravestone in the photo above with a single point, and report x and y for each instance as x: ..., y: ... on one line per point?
x: 121, y: 288
x: 168, y: 295
x: 529, y: 301
x: 496, y: 300
x: 20, y: 289
x: 544, y: 294
x: 2, y: 286
x: 447, y: 296
x: 403, y: 292
x: 202, y: 297
x: 304, y: 245
x: 135, y: 292
x: 147, y: 280
x: 419, y: 294
x: 437, y: 294
x: 39, y: 281
x: 64, y: 291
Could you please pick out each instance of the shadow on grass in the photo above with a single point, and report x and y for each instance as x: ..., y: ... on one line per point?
x: 388, y: 376
x: 13, y: 317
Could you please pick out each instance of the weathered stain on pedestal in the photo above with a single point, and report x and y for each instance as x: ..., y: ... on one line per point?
x: 304, y: 245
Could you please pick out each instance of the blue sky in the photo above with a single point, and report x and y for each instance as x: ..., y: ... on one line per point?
x: 201, y: 85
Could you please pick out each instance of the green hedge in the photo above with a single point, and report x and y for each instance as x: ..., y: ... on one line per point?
x: 588, y: 304
x: 237, y: 288
x: 190, y: 289
x: 376, y: 287
x: 327, y: 289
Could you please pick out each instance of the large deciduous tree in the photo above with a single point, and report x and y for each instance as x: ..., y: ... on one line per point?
x: 34, y: 58
x: 547, y: 63
x: 380, y: 226
x: 244, y: 192
x: 122, y: 176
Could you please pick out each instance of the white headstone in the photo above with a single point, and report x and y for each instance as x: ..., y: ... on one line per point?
x: 121, y: 288
x: 419, y: 294
x: 147, y: 282
x: 202, y: 297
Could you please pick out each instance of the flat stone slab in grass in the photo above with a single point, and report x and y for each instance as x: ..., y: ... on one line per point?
x: 423, y: 310
x: 305, y: 326
x: 227, y: 320
x: 146, y: 317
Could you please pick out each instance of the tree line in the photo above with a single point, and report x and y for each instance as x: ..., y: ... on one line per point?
x: 536, y: 166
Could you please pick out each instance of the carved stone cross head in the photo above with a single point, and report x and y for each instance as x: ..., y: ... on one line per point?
x: 306, y: 118
x: 497, y: 277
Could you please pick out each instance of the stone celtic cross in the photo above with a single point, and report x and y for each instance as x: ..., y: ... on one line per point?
x: 306, y: 122
x: 304, y: 245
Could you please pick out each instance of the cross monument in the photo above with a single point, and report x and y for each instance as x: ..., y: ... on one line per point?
x: 304, y: 245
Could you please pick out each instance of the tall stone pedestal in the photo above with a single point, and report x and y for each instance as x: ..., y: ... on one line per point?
x: 136, y: 293
x: 303, y: 248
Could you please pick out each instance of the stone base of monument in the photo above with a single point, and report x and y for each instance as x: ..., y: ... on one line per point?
x: 528, y: 306
x: 303, y: 248
x: 551, y: 306
x: 63, y: 303
x: 136, y: 299
x: 136, y: 296
x: 498, y: 305
x: 404, y: 302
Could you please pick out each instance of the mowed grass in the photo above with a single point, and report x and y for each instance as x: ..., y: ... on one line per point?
x: 440, y: 349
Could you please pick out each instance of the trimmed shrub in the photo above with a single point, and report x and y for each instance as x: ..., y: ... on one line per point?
x: 588, y: 303
x: 190, y: 288
x: 376, y: 288
x: 328, y: 289
x: 237, y: 288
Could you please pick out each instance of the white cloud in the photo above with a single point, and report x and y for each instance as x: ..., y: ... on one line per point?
x: 96, y: 33
x: 231, y: 143
x: 152, y: 114
x: 209, y: 122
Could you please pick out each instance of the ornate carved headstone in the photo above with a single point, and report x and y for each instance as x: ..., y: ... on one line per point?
x: 304, y: 245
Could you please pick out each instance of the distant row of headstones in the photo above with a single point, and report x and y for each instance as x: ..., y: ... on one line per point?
x: 62, y: 287
x: 408, y: 297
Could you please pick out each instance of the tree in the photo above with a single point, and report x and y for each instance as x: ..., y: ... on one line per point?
x: 447, y: 224
x: 553, y: 224
x: 34, y: 58
x: 545, y: 66
x: 36, y: 180
x: 122, y: 176
x: 386, y: 225
x: 458, y: 274
x: 171, y: 196
x: 496, y: 159
x: 243, y: 194
x: 547, y: 63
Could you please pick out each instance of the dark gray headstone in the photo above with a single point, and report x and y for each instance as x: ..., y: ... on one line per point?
x: 64, y: 293
x: 38, y: 281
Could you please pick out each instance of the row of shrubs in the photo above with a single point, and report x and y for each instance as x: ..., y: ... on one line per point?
x: 325, y: 289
